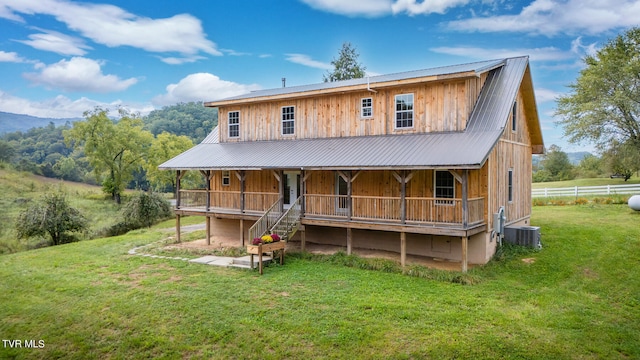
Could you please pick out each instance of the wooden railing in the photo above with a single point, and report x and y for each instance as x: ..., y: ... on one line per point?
x: 375, y: 208
x: 267, y: 221
x: 253, y: 201
x: 289, y: 222
x: 389, y: 209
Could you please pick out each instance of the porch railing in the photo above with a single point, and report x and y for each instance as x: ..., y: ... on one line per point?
x: 232, y: 200
x: 389, y: 209
x: 267, y: 221
x: 289, y: 222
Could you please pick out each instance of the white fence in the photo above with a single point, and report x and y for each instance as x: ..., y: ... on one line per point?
x: 587, y: 190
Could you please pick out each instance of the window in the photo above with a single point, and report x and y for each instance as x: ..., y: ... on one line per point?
x: 445, y: 187
x: 234, y: 124
x: 510, y: 182
x: 514, y: 118
x: 404, y: 111
x: 366, y: 108
x: 288, y: 120
x: 226, y: 178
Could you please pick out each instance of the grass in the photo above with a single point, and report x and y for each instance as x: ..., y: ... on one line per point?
x: 577, y: 298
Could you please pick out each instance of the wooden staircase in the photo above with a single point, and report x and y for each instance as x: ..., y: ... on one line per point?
x: 273, y: 221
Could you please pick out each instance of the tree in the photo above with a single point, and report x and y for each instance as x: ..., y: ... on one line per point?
x: 604, y: 102
x: 556, y: 163
x: 622, y: 158
x: 191, y: 119
x: 51, y: 215
x: 346, y: 66
x: 6, y: 151
x: 114, y: 150
x: 164, y: 147
x: 145, y: 209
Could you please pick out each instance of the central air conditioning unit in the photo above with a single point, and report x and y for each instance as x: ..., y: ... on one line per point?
x: 523, y: 235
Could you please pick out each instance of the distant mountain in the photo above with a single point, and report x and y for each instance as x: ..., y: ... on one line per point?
x: 574, y: 157
x: 16, y: 122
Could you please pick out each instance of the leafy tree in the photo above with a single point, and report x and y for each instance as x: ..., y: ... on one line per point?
x: 556, y: 163
x: 114, y: 150
x: 191, y: 119
x: 164, y: 147
x: 51, y: 215
x: 145, y: 209
x: 346, y: 66
x: 590, y: 166
x: 6, y: 151
x: 604, y: 102
x: 623, y: 159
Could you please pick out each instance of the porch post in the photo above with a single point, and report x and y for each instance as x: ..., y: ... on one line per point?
x: 403, y: 200
x: 465, y: 241
x: 403, y: 248
x: 302, y: 238
x: 178, y: 228
x: 207, y: 175
x: 349, y: 203
x: 208, y: 229
x: 303, y: 191
x: 281, y: 190
x: 241, y: 176
x: 179, y: 175
x: 465, y: 198
x: 348, y: 241
x: 242, y: 232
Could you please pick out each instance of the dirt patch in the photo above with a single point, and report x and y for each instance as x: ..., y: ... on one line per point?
x: 529, y: 260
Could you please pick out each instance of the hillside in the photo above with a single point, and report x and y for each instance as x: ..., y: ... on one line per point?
x: 17, y: 122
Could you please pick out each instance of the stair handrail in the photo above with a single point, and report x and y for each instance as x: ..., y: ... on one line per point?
x: 290, y: 220
x: 266, y: 221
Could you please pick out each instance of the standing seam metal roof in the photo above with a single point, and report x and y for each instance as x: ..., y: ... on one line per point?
x: 464, y: 149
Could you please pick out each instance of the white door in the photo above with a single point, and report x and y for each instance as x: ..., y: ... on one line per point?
x: 291, y: 188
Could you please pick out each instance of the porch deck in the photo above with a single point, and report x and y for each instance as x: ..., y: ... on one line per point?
x: 411, y: 214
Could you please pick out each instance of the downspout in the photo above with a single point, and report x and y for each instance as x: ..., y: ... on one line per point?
x: 369, y: 86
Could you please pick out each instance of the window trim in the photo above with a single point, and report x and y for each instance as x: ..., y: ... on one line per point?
x: 282, y: 120
x: 229, y: 124
x: 396, y: 112
x: 510, y: 185
x: 443, y: 200
x: 363, y: 107
x: 226, y: 178
x: 514, y: 117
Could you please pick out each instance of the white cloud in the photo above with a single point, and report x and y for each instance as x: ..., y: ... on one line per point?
x: 552, y: 17
x: 201, y: 87
x: 181, y: 60
x: 535, y: 54
x: 546, y: 95
x: 78, y: 74
x: 11, y: 57
x: 56, y: 42
x: 62, y: 106
x: 306, y: 60
x: 112, y: 26
x: 414, y: 7
x: 368, y: 8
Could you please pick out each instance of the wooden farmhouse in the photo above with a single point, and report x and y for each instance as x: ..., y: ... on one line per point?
x: 415, y: 163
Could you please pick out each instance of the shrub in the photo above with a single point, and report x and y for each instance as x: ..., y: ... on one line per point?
x: 53, y: 216
x: 581, y: 201
x: 145, y: 209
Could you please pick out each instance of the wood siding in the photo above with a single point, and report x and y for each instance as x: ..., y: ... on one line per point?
x: 438, y: 106
x: 513, y: 151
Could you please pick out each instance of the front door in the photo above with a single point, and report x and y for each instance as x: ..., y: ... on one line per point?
x: 291, y: 188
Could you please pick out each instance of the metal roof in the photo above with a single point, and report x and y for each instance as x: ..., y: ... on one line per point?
x: 476, y: 67
x: 464, y: 149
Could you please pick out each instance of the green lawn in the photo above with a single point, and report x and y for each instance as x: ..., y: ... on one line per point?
x: 578, y: 298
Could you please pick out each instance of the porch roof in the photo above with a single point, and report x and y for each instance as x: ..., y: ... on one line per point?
x: 464, y: 149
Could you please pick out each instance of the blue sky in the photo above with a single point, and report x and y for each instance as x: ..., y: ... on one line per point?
x: 59, y: 58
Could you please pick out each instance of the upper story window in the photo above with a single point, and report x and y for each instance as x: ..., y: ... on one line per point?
x: 445, y: 187
x: 366, y: 108
x: 404, y: 111
x: 288, y: 120
x: 234, y: 124
x: 226, y: 178
x: 514, y: 117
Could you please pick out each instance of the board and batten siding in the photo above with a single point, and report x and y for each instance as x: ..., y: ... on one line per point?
x: 513, y: 151
x: 438, y: 106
